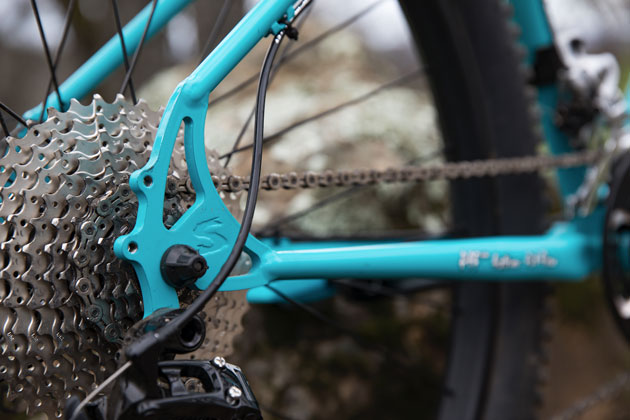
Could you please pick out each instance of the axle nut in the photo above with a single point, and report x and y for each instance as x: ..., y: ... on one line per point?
x: 182, y: 265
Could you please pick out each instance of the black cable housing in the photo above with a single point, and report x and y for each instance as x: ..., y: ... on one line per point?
x: 156, y: 338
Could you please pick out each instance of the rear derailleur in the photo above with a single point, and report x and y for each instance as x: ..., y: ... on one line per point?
x: 160, y: 387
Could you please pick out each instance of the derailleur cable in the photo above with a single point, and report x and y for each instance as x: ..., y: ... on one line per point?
x: 143, y: 354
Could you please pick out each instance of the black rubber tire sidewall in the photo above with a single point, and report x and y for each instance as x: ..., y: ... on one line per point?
x: 479, y: 85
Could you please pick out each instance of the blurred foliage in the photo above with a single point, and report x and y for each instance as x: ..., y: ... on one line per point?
x: 308, y: 370
x: 580, y: 302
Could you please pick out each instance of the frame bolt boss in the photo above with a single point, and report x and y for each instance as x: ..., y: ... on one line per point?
x: 182, y: 265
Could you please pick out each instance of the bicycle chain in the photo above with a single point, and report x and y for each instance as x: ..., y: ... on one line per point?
x: 445, y: 171
x: 605, y: 392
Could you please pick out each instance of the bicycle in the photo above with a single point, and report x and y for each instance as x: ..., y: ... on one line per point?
x: 71, y: 228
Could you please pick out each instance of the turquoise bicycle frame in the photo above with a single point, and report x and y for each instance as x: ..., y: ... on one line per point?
x: 569, y: 251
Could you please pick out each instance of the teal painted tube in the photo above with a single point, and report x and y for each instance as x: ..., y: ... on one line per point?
x: 568, y: 252
x: 110, y: 57
x: 249, y: 31
x: 563, y: 254
x: 532, y: 18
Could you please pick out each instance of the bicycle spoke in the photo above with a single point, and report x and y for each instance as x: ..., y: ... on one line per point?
x: 381, y: 289
x: 321, y: 317
x: 334, y: 198
x: 369, y: 288
x: 49, y: 60
x: 272, y: 228
x: 247, y: 82
x: 304, y: 47
x: 132, y: 90
x: 13, y: 114
x: 331, y: 31
x: 134, y: 60
x: 378, y: 348
x: 62, y: 43
x: 216, y: 28
x: 275, y: 136
x: 274, y: 73
x: 239, y: 137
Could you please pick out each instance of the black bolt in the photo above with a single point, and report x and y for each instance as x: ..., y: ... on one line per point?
x: 292, y: 33
x: 182, y: 265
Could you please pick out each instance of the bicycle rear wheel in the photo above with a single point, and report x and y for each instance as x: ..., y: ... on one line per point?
x: 474, y: 68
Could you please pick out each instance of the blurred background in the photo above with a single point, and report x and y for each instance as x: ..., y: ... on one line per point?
x: 299, y: 367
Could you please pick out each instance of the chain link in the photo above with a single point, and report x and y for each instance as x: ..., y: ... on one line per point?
x: 604, y: 393
x: 446, y: 171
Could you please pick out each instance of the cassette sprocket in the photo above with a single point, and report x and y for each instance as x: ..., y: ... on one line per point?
x: 65, y: 299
